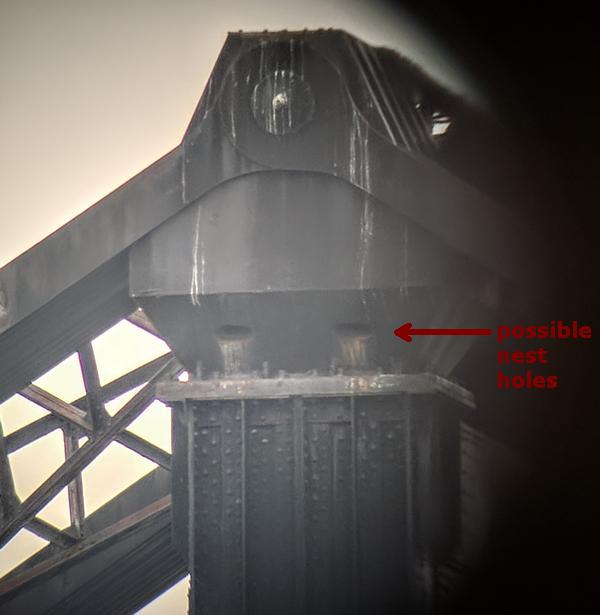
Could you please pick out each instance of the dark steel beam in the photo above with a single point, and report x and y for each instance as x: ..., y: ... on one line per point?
x: 139, y: 319
x: 8, y: 496
x: 47, y: 424
x: 29, y: 433
x: 75, y: 487
x: 81, y: 275
x: 75, y: 418
x: 42, y: 340
x: 341, y: 385
x: 9, y: 503
x: 91, y: 381
x: 83, y: 457
x: 114, y: 531
x: 145, y: 449
x: 57, y: 406
x: 128, y: 381
x: 140, y: 494
x: 48, y: 532
x: 90, y: 240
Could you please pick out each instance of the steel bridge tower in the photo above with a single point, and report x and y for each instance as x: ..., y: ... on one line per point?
x: 324, y: 193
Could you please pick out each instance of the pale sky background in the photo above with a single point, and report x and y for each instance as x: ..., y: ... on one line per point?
x: 92, y: 92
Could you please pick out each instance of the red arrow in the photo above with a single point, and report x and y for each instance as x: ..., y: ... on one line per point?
x: 406, y: 332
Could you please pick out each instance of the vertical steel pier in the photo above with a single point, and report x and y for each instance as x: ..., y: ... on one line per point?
x: 316, y: 494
